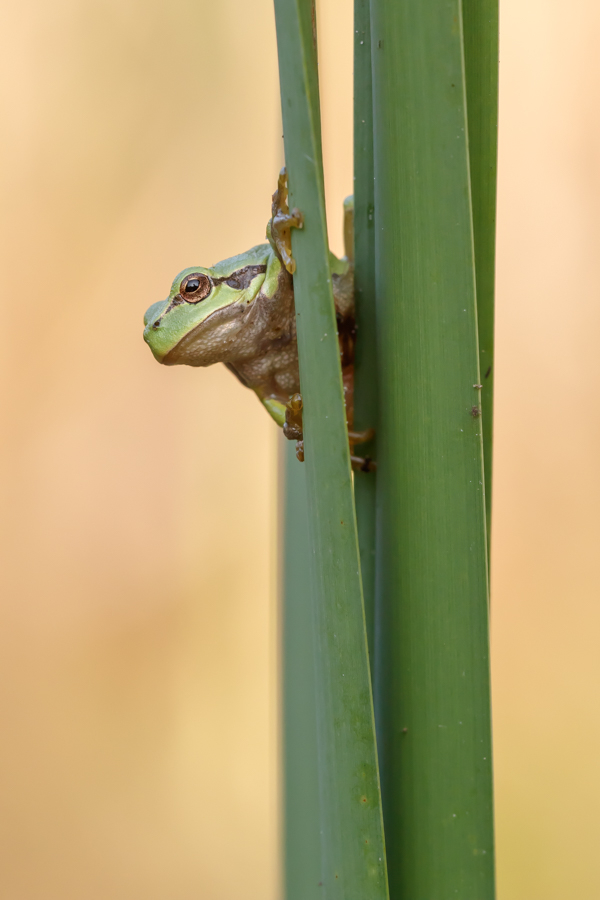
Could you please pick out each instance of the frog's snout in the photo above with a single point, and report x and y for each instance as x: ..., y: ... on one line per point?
x: 152, y: 323
x: 152, y: 314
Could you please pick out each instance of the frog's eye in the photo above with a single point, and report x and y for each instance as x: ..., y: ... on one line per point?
x: 195, y: 287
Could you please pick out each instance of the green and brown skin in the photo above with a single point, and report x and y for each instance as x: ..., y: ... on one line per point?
x: 241, y: 312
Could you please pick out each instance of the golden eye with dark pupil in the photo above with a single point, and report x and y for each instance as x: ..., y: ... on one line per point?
x: 196, y: 287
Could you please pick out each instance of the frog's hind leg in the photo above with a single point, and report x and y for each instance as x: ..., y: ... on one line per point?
x: 361, y: 437
x: 359, y: 463
x: 363, y: 464
x: 282, y: 221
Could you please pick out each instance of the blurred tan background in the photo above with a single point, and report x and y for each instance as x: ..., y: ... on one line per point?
x: 138, y: 635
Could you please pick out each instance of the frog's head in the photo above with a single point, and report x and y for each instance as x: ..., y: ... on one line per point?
x: 202, y: 320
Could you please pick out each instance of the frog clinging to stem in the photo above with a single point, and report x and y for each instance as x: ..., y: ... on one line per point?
x: 241, y: 312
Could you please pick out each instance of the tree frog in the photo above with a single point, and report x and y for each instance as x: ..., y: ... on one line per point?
x: 241, y: 312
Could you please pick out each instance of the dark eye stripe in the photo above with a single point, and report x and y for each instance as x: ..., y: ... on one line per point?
x: 238, y: 280
x: 242, y: 278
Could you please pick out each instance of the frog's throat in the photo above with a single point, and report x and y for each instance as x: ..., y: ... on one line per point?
x: 173, y: 357
x: 200, y: 343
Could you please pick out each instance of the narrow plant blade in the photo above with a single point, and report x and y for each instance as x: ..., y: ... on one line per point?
x: 353, y: 859
x: 302, y: 842
x: 480, y: 27
x: 432, y: 658
x: 365, y: 369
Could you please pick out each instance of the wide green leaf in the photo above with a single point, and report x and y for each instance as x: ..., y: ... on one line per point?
x: 432, y: 689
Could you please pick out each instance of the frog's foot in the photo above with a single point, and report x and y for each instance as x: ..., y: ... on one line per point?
x: 293, y: 424
x: 282, y: 221
x: 292, y: 428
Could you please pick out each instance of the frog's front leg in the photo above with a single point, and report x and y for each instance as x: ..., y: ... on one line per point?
x: 282, y: 221
x: 275, y: 408
x: 287, y: 417
x: 293, y: 432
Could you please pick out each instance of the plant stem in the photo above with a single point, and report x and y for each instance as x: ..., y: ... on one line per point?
x: 432, y: 659
x: 351, y: 829
x: 365, y: 370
